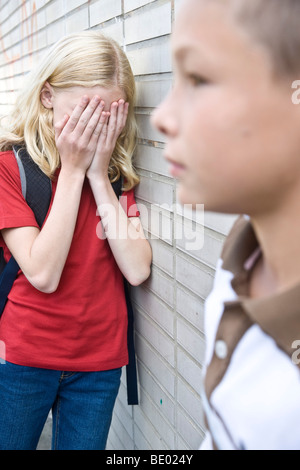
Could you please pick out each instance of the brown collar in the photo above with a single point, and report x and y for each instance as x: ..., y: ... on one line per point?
x: 278, y: 315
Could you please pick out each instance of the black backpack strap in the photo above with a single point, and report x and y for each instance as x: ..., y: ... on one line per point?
x: 36, y: 186
x: 7, y: 278
x: 117, y: 187
x: 131, y: 369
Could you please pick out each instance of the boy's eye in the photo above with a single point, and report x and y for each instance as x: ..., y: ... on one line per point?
x: 197, y: 80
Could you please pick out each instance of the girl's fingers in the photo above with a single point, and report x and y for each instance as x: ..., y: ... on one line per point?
x: 59, y: 126
x: 112, y: 127
x: 83, y: 118
x: 77, y: 113
x: 124, y: 116
x: 89, y: 118
x: 118, y: 118
x: 101, y: 128
x: 91, y: 128
x: 111, y: 124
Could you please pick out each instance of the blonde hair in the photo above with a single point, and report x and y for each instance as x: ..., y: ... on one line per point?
x: 85, y: 59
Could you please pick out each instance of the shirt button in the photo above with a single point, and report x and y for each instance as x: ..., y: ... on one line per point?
x: 221, y: 349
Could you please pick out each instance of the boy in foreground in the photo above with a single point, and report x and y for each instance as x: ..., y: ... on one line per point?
x: 233, y: 143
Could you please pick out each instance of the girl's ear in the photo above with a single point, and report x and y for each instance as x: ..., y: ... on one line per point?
x: 47, y: 96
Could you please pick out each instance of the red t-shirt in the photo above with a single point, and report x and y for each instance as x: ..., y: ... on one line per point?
x: 83, y: 325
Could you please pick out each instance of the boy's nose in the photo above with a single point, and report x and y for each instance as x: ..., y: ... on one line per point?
x: 164, y: 119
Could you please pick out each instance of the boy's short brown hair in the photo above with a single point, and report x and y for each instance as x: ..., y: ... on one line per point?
x: 275, y: 25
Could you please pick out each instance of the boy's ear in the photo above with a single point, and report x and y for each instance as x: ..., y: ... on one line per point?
x: 47, y: 96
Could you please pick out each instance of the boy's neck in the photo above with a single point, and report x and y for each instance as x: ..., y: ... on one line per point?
x: 278, y: 234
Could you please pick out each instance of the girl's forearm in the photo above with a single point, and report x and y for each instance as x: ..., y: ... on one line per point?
x: 51, y: 247
x: 125, y: 236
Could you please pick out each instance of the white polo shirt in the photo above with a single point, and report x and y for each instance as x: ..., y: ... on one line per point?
x: 252, y: 376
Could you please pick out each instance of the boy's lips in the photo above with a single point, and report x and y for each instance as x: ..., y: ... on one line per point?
x: 175, y: 168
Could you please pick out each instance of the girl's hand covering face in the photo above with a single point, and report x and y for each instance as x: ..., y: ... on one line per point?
x: 87, y: 138
x: 75, y: 135
x: 111, y: 126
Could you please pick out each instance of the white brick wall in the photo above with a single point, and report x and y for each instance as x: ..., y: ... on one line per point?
x: 169, y: 306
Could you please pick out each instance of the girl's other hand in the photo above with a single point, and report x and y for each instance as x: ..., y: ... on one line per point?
x: 109, y: 129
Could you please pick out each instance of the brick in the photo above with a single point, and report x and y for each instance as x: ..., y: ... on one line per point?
x: 147, y: 437
x: 121, y: 411
x: 160, y: 398
x: 114, y: 31
x: 154, y: 58
x: 190, y: 307
x: 186, y: 428
x: 162, y: 427
x: 163, y: 256
x: 140, y: 439
x: 150, y: 93
x: 149, y: 24
x: 162, y: 286
x: 118, y: 436
x: 197, y: 278
x: 157, y: 310
x: 190, y: 403
x: 146, y: 130
x: 55, y: 31
x: 104, y: 11
x: 78, y: 21
x: 157, y: 221
x: 54, y: 11
x: 190, y: 237
x: 156, y: 338
x: 156, y: 192
x: 156, y: 365
x: 151, y: 159
x: 190, y: 370
x: 133, y: 4
x: 70, y: 5
x: 199, y: 242
x: 221, y: 223
x: 191, y: 340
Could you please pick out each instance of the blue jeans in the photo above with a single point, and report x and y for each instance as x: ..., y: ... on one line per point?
x: 82, y: 406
